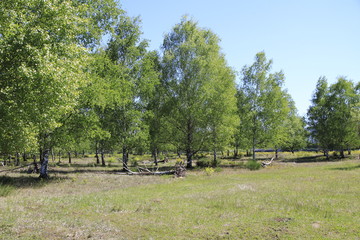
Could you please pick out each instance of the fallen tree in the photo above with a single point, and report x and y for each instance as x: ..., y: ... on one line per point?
x: 179, y: 171
x: 265, y: 164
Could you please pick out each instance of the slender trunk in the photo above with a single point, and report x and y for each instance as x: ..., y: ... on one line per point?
x: 189, y: 142
x: 17, y: 159
x: 154, y: 155
x: 24, y: 157
x: 83, y: 154
x: 228, y: 153
x: 253, y: 150
x: 236, y: 151
x: 41, y: 155
x: 97, y: 155
x: 125, y: 158
x: 44, y: 165
x: 342, y: 155
x: 188, y: 158
x: 178, y: 153
x: 59, y: 157
x: 276, y: 153
x: 349, y: 151
x: 215, y: 158
x: 69, y: 156
x: 102, y: 158
x: 254, y: 137
x: 52, y: 155
x: 253, y: 146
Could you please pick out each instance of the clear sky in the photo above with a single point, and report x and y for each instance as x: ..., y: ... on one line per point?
x: 306, y: 39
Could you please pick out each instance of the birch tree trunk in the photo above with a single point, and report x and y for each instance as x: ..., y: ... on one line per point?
x: 125, y: 158
x: 44, y: 164
x: 69, y: 156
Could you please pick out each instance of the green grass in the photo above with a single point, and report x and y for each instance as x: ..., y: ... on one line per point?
x: 284, y: 201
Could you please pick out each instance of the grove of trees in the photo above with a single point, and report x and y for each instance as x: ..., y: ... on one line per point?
x: 77, y: 75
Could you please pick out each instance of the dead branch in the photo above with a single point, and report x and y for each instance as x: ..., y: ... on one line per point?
x: 145, y: 171
x: 180, y: 170
x: 265, y: 164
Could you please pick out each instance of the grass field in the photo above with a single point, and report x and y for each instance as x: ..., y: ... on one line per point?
x: 288, y: 200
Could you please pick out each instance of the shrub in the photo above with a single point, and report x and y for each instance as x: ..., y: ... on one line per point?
x: 207, y: 162
x: 216, y: 163
x: 253, y: 165
x: 204, y: 162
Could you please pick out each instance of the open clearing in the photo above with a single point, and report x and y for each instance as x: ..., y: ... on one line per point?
x: 283, y: 201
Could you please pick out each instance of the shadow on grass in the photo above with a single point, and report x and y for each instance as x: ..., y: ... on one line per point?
x: 346, y: 168
x: 27, y: 181
x: 84, y: 165
x: 311, y: 159
x: 105, y: 170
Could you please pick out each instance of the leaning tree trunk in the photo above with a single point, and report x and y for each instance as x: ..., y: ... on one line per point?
x: 44, y: 164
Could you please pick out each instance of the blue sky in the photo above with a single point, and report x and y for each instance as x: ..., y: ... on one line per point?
x: 306, y: 39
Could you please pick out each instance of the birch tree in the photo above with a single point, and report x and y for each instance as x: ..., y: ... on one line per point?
x: 333, y: 117
x: 196, y: 79
x: 262, y: 104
